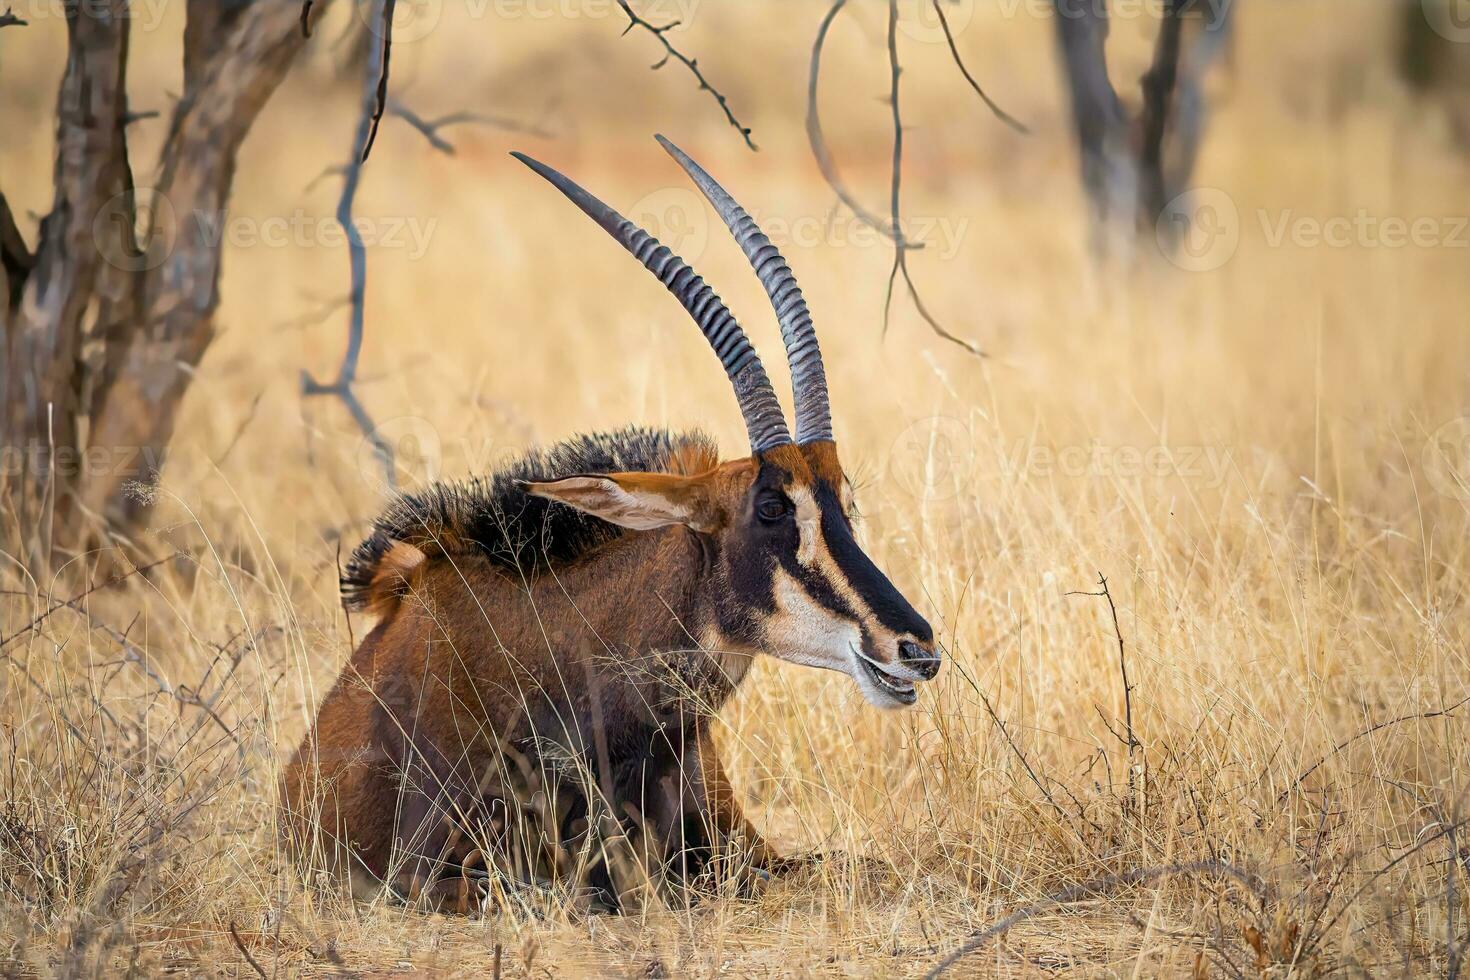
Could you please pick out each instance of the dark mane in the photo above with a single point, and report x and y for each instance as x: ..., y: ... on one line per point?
x: 492, y: 516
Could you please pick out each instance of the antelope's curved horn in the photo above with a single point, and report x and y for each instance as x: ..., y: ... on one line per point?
x: 808, y: 377
x: 758, y: 404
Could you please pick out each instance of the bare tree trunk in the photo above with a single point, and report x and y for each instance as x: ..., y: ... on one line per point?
x: 1109, y: 170
x: 1434, y: 58
x: 236, y: 62
x: 102, y: 332
x: 46, y: 330
x: 1132, y: 168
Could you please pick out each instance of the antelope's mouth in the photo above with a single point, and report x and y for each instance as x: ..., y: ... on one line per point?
x: 897, y: 688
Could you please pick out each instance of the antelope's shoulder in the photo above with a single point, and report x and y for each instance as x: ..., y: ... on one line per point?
x: 493, y: 517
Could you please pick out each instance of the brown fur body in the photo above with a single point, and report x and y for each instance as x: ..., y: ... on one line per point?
x: 505, y: 719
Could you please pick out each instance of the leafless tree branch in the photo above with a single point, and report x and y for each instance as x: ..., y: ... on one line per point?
x: 16, y: 259
x: 691, y: 63
x: 430, y: 128
x: 73, y: 602
x: 1130, y: 738
x: 380, y: 94
x: 954, y: 50
x: 10, y: 19
x: 900, y: 253
x: 818, y: 140
x: 342, y: 386
x: 335, y: 170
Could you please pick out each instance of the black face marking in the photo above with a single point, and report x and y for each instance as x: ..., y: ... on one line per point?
x: 772, y: 506
x: 889, y: 606
x: 749, y: 571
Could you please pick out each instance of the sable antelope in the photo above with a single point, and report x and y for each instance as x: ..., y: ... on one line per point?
x: 553, y: 639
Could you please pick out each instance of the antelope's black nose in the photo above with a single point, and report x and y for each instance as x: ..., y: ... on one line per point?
x: 919, y: 658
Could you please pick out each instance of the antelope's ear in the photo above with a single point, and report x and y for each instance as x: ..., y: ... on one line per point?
x: 641, y: 501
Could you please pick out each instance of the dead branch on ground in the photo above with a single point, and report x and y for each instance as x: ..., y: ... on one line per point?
x: 1096, y: 887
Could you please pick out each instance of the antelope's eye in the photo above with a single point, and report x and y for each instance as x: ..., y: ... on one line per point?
x: 771, y: 508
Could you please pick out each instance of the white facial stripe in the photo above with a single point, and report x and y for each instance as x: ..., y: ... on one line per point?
x: 808, y: 525
x: 804, y: 632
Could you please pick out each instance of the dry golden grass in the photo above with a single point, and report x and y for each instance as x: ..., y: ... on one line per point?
x: 1251, y: 455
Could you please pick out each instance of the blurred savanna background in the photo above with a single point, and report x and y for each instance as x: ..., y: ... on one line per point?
x: 1250, y: 419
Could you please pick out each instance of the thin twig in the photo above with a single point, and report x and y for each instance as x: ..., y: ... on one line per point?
x: 9, y: 19
x: 1452, y: 952
x: 954, y: 50
x: 818, y: 140
x: 1376, y: 876
x: 1097, y: 886
x: 1380, y: 726
x: 139, y: 659
x: 357, y: 261
x: 1025, y: 763
x: 306, y: 18
x: 1131, y: 739
x: 429, y: 128
x: 336, y: 170
x: 240, y: 945
x: 900, y: 254
x: 691, y: 63
x: 380, y: 101
x: 240, y: 430
x: 60, y: 604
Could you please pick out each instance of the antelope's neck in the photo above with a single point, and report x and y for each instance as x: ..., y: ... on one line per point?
x: 649, y: 597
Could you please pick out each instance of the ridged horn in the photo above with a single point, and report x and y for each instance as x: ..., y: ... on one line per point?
x: 758, y: 404
x: 808, y: 377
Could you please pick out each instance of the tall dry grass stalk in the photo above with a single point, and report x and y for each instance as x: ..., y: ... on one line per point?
x: 1259, y: 457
